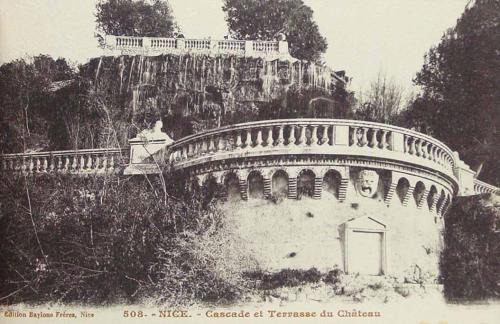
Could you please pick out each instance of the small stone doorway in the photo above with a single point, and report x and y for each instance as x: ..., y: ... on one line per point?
x: 364, y: 246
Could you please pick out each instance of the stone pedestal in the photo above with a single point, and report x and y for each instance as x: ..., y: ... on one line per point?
x: 144, y: 151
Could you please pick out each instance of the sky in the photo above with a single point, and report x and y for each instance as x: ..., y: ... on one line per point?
x: 365, y: 37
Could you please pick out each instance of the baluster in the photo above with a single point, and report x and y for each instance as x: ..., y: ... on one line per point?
x: 269, y: 138
x: 418, y: 147
x: 111, y: 162
x: 314, y: 136
x: 383, y: 139
x: 4, y: 165
x: 37, y: 164
x: 74, y: 165
x: 434, y: 153
x: 190, y: 150
x: 81, y: 166
x: 258, y: 139
x: 204, y: 147
x: 211, y: 145
x: 52, y: 163
x: 45, y: 164
x: 354, y: 136
x: 280, y: 140
x: 424, y: 149
x: 104, y: 162
x: 248, y: 139
x: 239, y: 143
x: 302, y: 136
x: 221, y: 144
x: 24, y: 165
x: 88, y: 165
x: 97, y: 162
x: 364, y: 139
x: 407, y: 143
x: 324, y: 135
x: 66, y: 162
x: 438, y: 156
x: 374, y: 142
x: 412, y: 146
x: 430, y: 151
x: 291, y: 139
x: 31, y: 165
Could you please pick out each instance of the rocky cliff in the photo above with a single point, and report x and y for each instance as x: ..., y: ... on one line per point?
x: 195, y: 92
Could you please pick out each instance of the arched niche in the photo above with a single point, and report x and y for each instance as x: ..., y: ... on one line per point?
x: 331, y: 182
x: 441, y: 201
x: 402, y: 188
x: 305, y: 184
x: 255, y: 185
x: 418, y: 193
x: 431, y: 196
x: 232, y: 185
x: 280, y: 184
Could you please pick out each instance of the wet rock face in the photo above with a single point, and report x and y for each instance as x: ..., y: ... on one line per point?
x: 209, y: 91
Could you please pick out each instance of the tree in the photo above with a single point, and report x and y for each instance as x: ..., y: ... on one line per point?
x: 382, y: 102
x: 267, y: 20
x: 459, y: 81
x: 135, y: 18
x: 26, y: 110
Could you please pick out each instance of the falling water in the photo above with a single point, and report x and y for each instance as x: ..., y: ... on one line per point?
x: 98, y: 70
x: 122, y: 70
x: 130, y: 75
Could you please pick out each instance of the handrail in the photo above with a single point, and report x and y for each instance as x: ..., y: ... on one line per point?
x: 483, y: 187
x: 101, y: 160
x: 155, y: 45
x: 65, y: 152
x: 311, y: 136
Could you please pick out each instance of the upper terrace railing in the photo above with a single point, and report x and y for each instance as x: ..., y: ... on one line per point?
x: 73, y: 161
x: 314, y: 136
x: 157, y: 45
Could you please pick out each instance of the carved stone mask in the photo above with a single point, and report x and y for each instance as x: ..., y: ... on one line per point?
x: 367, y: 183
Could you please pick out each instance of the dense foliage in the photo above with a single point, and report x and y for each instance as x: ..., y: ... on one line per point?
x: 267, y: 20
x: 471, y: 257
x: 109, y: 239
x: 135, y: 18
x: 27, y: 103
x: 460, y: 100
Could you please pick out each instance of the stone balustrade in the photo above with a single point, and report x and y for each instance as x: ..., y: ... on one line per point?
x: 128, y: 45
x: 73, y: 161
x: 481, y: 187
x: 314, y: 137
x: 297, y: 143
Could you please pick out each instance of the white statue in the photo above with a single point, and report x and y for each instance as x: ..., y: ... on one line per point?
x: 154, y: 134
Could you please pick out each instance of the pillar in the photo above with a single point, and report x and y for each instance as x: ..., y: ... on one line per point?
x: 318, y: 187
x: 409, y: 194
x: 391, y: 191
x: 292, y: 186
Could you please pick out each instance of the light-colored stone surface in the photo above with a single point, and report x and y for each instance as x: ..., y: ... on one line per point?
x: 310, y: 230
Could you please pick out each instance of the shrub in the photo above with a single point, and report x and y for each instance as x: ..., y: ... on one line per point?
x: 111, y: 239
x: 470, y: 259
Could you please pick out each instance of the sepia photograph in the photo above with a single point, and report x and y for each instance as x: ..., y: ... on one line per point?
x: 250, y: 161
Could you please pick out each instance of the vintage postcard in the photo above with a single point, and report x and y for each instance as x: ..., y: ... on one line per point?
x: 249, y: 161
